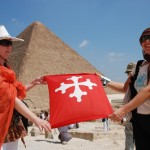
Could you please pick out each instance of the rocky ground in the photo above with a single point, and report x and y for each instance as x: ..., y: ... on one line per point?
x: 89, y: 136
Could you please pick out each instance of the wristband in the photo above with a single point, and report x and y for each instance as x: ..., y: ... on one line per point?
x: 105, y: 80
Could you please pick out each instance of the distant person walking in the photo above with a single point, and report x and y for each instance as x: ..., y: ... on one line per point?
x: 64, y: 136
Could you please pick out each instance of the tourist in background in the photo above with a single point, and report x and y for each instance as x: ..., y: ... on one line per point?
x: 64, y: 136
x: 129, y: 140
x: 105, y: 124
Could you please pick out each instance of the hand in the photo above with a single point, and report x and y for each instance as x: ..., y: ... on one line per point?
x: 118, y: 115
x: 42, y: 124
x: 39, y: 80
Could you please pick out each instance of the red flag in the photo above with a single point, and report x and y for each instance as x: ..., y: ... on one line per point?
x: 76, y: 98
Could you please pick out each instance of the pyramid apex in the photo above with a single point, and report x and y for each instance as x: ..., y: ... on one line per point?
x: 37, y: 23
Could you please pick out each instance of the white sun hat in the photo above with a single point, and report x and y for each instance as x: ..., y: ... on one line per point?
x: 4, y: 35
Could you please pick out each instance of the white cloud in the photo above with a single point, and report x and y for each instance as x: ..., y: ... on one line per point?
x: 83, y: 44
x: 16, y: 22
x: 112, y: 57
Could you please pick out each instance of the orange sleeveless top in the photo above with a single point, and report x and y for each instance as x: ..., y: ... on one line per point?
x: 10, y: 88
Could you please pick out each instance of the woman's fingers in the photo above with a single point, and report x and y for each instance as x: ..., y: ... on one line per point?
x: 43, y: 124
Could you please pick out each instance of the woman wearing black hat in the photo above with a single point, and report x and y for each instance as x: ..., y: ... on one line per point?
x: 139, y: 104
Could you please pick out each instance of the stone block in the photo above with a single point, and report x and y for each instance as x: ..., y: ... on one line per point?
x: 83, y: 135
x: 34, y: 132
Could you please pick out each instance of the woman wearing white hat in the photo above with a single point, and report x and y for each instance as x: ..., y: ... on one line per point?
x: 11, y: 93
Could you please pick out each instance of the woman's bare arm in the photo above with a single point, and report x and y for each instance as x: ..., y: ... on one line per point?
x: 140, y: 98
x: 22, y: 109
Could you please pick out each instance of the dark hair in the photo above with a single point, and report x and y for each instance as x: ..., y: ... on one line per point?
x: 148, y: 73
x: 144, y: 33
x: 46, y: 113
x: 6, y: 64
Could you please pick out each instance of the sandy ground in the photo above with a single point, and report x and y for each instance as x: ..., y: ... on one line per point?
x: 110, y: 140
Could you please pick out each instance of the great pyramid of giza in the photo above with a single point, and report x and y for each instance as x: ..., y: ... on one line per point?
x: 42, y: 53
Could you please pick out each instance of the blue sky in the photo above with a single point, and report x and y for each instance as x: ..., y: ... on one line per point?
x: 105, y: 32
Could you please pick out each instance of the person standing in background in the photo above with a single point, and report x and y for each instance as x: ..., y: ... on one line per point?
x: 105, y: 124
x: 129, y: 140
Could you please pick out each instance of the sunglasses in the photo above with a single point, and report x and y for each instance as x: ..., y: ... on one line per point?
x: 128, y: 72
x: 144, y: 38
x: 5, y: 43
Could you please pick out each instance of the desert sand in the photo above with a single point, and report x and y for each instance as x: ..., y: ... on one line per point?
x: 105, y: 140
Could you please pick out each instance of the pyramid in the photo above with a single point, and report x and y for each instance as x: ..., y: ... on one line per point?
x: 43, y: 53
